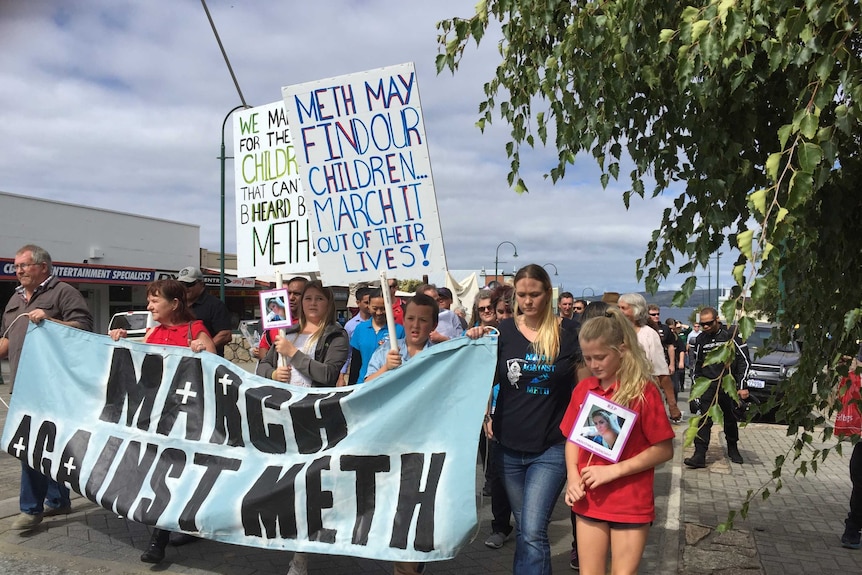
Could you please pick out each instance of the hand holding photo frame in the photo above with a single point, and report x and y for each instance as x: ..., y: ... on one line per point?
x: 602, y: 427
x: 274, y: 309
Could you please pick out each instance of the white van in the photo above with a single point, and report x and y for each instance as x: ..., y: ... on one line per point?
x: 136, y: 323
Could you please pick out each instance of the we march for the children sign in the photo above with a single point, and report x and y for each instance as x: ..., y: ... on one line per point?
x: 272, y: 226
x: 365, y: 170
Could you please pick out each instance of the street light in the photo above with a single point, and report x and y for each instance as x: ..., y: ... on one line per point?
x: 552, y: 265
x: 222, y: 158
x: 584, y: 291
x: 497, y: 257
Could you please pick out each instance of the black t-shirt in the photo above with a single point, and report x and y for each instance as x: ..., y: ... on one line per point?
x: 533, y: 396
x: 667, y: 338
x: 215, y: 315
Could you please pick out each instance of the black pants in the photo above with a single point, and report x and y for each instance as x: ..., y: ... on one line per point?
x: 731, y: 430
x: 854, y: 518
x: 500, y: 508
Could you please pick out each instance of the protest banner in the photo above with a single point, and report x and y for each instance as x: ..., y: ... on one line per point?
x: 365, y: 170
x: 191, y: 442
x: 272, y: 225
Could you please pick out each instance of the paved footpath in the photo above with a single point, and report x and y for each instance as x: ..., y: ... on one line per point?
x: 795, y: 531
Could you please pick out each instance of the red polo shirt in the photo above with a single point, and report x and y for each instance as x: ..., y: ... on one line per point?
x: 628, y: 499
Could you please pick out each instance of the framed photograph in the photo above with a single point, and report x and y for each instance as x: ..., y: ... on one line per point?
x: 603, y: 427
x: 275, y: 309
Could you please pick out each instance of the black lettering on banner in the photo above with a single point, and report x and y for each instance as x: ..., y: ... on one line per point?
x: 307, y: 425
x: 228, y: 420
x: 186, y: 395
x: 410, y: 496
x: 101, y: 467
x: 70, y: 463
x: 171, y: 463
x: 366, y: 468
x: 214, y: 466
x: 266, y: 438
x: 44, y: 441
x: 129, y: 477
x: 271, y: 501
x: 316, y: 501
x: 19, y: 445
x: 124, y: 390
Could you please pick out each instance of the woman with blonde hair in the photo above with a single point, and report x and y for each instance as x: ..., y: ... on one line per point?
x: 536, y: 359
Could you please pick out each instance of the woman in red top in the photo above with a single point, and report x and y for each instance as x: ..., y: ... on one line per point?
x: 166, y: 300
x: 614, y: 501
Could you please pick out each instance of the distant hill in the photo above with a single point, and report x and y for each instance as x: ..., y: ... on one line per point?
x: 699, y: 297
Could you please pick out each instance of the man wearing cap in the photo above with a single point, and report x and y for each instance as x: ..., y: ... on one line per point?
x: 207, y: 308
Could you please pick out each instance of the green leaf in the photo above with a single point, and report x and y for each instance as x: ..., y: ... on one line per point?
x: 700, y: 386
x: 809, y: 157
x: 743, y: 240
x: 697, y: 29
x: 772, y: 163
x: 691, y: 430
x: 716, y: 414
x: 784, y: 133
x: 808, y: 126
x: 739, y: 274
x: 758, y: 200
x: 800, y: 189
x: 666, y: 35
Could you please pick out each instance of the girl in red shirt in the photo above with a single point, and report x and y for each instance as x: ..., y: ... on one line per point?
x: 614, y: 501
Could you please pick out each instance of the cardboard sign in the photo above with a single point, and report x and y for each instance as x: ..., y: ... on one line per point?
x: 363, y: 159
x: 272, y: 227
x: 603, y: 427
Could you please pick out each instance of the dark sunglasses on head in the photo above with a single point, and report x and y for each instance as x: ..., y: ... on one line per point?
x: 706, y: 323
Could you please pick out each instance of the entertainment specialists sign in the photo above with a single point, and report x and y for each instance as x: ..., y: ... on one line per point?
x: 272, y: 226
x: 187, y: 441
x: 363, y: 158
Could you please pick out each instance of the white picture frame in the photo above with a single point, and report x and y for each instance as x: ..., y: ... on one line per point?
x: 275, y: 309
x: 603, y: 427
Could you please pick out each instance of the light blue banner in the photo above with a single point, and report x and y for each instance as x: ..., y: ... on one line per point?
x: 190, y: 442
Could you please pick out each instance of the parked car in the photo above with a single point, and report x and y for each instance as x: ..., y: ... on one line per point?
x: 136, y: 323
x: 772, y: 363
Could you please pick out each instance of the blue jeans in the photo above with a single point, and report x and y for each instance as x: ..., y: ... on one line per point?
x: 533, y: 482
x: 38, y: 490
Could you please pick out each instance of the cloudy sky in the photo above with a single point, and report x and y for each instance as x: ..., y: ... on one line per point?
x: 120, y: 104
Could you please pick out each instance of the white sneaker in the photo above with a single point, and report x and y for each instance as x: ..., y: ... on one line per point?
x: 299, y: 565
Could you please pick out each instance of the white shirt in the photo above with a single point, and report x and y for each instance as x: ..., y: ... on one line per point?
x: 651, y: 344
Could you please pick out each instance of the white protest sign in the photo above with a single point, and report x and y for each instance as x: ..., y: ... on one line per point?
x: 272, y: 226
x: 363, y: 159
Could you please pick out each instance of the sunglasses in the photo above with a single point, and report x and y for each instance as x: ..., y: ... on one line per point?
x: 484, y: 308
x: 578, y: 308
x: 706, y: 323
x: 655, y: 313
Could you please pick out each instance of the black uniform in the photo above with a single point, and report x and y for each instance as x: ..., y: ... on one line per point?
x: 705, y: 343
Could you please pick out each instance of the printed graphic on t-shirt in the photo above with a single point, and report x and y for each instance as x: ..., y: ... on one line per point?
x: 541, y: 370
x: 513, y: 371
